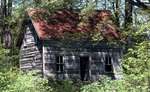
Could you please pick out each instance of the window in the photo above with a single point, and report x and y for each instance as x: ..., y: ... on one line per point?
x: 59, y: 64
x: 108, y: 64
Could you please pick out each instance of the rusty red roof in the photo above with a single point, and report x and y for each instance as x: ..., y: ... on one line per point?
x: 56, y: 24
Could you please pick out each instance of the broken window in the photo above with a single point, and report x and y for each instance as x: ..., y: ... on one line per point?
x: 59, y: 64
x: 108, y: 64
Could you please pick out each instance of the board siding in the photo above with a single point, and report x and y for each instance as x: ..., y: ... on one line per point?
x: 34, y: 56
x: 72, y: 63
x: 30, y: 54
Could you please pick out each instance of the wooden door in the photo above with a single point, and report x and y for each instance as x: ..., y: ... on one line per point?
x: 84, y: 68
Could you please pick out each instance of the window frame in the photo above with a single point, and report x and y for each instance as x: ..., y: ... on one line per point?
x: 60, y: 64
x: 108, y: 63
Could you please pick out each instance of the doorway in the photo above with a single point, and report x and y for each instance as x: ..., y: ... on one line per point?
x: 84, y: 68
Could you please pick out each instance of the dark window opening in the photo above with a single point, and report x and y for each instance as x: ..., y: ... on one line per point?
x: 59, y: 64
x: 108, y: 64
x: 84, y: 68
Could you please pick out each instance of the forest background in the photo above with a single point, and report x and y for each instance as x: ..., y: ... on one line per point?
x: 132, y: 18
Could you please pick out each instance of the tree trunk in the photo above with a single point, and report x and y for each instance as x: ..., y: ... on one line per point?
x: 117, y: 11
x: 9, y: 7
x: 3, y: 11
x: 6, y: 37
x: 128, y: 13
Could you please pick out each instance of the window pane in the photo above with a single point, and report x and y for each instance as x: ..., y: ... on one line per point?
x: 57, y: 59
x: 108, y: 64
x: 57, y: 67
x: 59, y: 64
x: 61, y: 68
x: 108, y: 68
x: 60, y: 59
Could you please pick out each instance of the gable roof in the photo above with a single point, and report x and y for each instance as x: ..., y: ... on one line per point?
x: 55, y: 25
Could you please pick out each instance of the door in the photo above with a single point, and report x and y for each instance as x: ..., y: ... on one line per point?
x: 84, y: 68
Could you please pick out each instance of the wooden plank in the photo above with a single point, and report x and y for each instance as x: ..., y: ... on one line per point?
x: 90, y: 60
x: 25, y: 62
x: 30, y: 62
x: 34, y: 56
x: 43, y: 58
x: 30, y: 68
x: 32, y: 48
x: 30, y: 56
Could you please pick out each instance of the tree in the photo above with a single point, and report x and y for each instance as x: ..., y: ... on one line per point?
x: 128, y: 13
x: 117, y: 10
x: 9, y: 7
x: 37, y: 2
x: 6, y: 37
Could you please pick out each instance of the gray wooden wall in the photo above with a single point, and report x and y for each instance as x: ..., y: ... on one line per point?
x: 72, y: 63
x: 34, y: 56
x: 30, y: 53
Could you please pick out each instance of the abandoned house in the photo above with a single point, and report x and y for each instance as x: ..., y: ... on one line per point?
x: 48, y: 47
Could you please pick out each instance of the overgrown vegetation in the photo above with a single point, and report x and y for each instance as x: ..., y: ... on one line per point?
x: 136, y: 61
x: 136, y: 67
x: 18, y: 82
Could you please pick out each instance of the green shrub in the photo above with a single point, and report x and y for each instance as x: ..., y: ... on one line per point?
x: 6, y: 79
x: 64, y: 86
x: 128, y: 84
x: 136, y: 64
x: 9, y: 58
x: 18, y: 82
x: 105, y: 84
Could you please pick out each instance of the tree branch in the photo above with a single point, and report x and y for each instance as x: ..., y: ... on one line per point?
x: 140, y: 4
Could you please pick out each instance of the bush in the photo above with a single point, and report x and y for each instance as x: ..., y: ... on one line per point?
x: 105, y: 84
x: 18, y: 82
x: 6, y: 79
x: 128, y: 84
x: 64, y: 85
x: 9, y: 58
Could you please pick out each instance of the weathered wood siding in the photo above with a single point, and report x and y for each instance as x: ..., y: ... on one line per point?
x: 30, y: 52
x: 35, y: 55
x: 71, y: 59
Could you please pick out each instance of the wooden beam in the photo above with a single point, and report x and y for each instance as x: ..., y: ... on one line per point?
x: 90, y: 62
x: 43, y: 59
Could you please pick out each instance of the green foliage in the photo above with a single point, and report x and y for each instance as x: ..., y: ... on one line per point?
x: 6, y: 78
x: 137, y: 60
x: 138, y: 35
x: 64, y: 86
x: 8, y: 58
x: 105, y: 84
x: 87, y: 11
x: 53, y: 5
x: 11, y: 80
x: 18, y: 82
x: 128, y: 84
x: 137, y: 83
x: 136, y: 66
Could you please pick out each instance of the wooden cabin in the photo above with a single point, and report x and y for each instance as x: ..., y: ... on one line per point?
x: 45, y: 49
